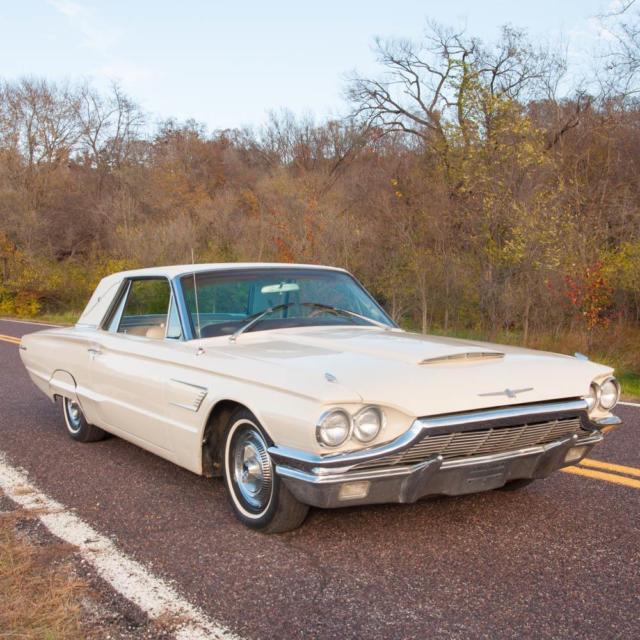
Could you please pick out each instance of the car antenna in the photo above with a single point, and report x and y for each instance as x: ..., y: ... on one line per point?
x: 195, y: 293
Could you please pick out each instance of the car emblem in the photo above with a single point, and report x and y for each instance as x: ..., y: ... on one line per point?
x: 510, y: 393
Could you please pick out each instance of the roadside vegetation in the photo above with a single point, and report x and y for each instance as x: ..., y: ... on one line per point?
x: 40, y: 592
x: 476, y: 189
x: 48, y: 593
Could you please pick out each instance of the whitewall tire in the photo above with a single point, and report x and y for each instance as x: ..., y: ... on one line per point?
x: 77, y: 426
x: 258, y: 497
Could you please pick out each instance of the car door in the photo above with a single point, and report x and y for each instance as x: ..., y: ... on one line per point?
x: 132, y: 362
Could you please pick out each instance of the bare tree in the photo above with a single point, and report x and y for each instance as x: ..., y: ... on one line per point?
x: 108, y: 124
x: 622, y: 58
x: 42, y: 117
x: 448, y: 79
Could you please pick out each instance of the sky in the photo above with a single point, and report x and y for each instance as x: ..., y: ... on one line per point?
x: 227, y: 64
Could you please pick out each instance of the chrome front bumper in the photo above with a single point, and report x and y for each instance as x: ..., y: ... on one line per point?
x: 337, y: 481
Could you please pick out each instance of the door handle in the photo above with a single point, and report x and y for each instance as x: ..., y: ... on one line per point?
x: 93, y: 351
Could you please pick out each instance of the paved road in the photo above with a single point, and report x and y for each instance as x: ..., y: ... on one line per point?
x: 560, y: 559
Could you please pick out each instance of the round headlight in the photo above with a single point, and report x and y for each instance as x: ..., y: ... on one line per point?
x: 594, y: 397
x: 367, y: 424
x: 333, y: 428
x: 609, y: 393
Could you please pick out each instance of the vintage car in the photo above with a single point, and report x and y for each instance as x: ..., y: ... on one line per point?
x: 295, y: 386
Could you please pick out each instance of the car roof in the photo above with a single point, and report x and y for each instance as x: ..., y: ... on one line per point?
x: 171, y: 271
x: 108, y: 287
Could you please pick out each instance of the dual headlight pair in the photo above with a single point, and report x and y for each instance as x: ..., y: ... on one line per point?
x: 604, y: 395
x: 337, y: 425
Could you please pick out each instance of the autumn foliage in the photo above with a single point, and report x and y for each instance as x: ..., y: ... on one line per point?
x: 462, y: 188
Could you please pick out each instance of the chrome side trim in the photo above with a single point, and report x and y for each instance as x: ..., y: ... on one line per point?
x: 431, y: 426
x: 189, y: 407
x: 189, y: 384
x: 196, y: 403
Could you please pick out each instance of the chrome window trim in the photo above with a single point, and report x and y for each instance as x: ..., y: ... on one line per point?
x: 183, y: 313
x: 114, y: 314
x: 116, y: 302
x: 120, y: 301
x: 172, y: 302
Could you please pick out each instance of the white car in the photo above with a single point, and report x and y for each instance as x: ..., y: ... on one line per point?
x: 294, y: 385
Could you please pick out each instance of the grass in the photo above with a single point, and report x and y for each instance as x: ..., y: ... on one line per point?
x: 40, y: 595
x: 67, y: 318
x: 630, y: 385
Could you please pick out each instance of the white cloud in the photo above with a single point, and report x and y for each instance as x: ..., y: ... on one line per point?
x: 96, y: 35
x: 106, y: 41
x: 67, y: 8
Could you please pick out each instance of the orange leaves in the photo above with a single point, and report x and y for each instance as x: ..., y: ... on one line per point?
x: 591, y: 295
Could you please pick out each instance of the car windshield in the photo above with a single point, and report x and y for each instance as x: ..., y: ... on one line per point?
x: 226, y: 300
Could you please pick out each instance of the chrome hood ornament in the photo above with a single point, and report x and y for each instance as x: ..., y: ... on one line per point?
x: 510, y: 393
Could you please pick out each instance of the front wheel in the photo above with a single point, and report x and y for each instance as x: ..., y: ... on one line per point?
x: 77, y: 426
x: 258, y: 496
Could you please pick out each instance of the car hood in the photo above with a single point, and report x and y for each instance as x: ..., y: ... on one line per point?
x: 416, y: 374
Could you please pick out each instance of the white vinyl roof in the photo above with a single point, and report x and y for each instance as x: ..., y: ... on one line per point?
x: 172, y: 271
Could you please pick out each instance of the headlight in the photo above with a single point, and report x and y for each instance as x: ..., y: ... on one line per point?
x: 367, y: 424
x: 594, y: 397
x: 333, y: 428
x: 609, y: 393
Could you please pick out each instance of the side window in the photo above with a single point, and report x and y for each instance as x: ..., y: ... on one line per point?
x: 146, y: 308
x: 174, y: 330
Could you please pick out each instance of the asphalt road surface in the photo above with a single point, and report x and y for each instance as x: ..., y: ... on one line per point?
x: 559, y: 559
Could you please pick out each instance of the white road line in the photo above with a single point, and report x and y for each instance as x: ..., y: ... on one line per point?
x: 629, y: 404
x: 129, y: 578
x: 39, y: 324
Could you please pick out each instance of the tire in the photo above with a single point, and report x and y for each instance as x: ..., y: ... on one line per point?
x: 77, y: 427
x: 258, y: 496
x: 516, y: 485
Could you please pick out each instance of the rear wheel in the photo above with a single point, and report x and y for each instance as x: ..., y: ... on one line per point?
x: 77, y: 426
x: 259, y: 498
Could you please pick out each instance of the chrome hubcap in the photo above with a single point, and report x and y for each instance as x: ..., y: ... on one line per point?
x: 252, y: 469
x: 74, y: 414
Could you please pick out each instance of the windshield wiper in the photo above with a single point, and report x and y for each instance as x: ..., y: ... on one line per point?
x: 256, y: 318
x: 345, y: 312
x: 341, y: 312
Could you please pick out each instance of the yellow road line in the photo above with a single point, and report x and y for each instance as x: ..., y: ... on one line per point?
x: 609, y: 466
x: 11, y: 339
x: 601, y: 475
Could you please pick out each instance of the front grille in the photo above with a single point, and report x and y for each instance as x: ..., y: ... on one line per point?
x: 481, y: 442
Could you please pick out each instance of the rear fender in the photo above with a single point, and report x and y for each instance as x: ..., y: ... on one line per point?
x: 62, y: 383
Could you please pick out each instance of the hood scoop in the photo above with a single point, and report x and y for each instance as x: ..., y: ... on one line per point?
x: 467, y: 356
